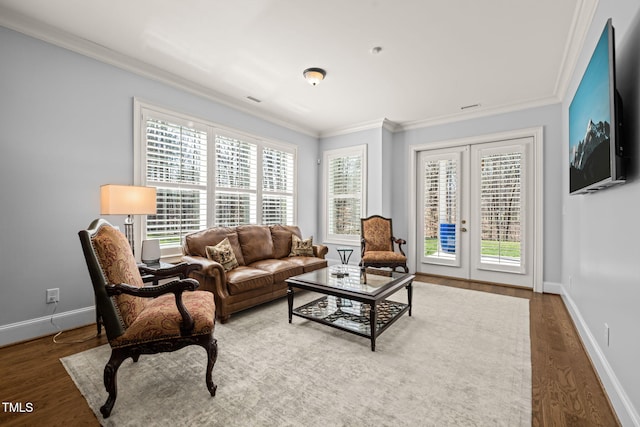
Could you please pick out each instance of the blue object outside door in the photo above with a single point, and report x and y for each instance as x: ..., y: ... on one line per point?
x: 448, y: 237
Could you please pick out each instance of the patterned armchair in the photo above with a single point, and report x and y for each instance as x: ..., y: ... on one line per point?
x: 138, y: 319
x: 377, y: 244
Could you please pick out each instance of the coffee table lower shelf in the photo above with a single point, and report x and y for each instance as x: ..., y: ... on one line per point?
x: 352, y: 316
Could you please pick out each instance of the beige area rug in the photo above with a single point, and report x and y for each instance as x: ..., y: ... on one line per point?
x: 462, y: 359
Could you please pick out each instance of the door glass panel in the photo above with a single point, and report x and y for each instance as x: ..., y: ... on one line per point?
x: 440, y: 209
x: 500, y: 209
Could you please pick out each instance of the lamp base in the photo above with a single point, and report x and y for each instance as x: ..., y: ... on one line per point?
x: 128, y: 231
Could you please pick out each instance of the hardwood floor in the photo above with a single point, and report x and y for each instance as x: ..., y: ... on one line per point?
x: 565, y: 389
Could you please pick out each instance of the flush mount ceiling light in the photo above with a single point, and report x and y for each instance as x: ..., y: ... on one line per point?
x: 314, y: 75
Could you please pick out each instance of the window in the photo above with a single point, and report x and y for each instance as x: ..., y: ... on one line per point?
x: 440, y: 208
x: 206, y: 175
x: 248, y: 194
x: 236, y: 178
x: 500, y: 208
x: 277, y: 186
x: 176, y: 164
x: 345, y: 183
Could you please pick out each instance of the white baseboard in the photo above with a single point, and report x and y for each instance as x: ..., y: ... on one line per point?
x: 552, y: 288
x: 626, y: 412
x: 34, y: 328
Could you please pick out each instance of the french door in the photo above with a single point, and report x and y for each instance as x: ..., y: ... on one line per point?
x: 475, y: 208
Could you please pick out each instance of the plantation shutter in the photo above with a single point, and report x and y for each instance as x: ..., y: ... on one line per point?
x: 277, y: 187
x: 176, y: 164
x: 236, y: 182
x: 501, y: 208
x: 345, y: 194
x: 440, y: 207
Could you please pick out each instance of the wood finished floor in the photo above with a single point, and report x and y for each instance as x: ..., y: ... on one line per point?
x: 565, y: 388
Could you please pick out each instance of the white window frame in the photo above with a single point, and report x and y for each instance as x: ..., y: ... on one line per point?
x: 328, y: 156
x: 143, y: 109
x: 261, y: 145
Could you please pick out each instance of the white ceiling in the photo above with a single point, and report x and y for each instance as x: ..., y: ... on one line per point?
x: 437, y: 56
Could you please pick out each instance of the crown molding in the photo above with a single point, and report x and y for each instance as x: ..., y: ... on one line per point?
x: 483, y: 112
x: 41, y: 31
x: 581, y: 22
x: 359, y: 127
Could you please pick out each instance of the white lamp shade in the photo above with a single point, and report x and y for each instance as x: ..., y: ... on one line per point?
x: 127, y: 200
x: 150, y: 251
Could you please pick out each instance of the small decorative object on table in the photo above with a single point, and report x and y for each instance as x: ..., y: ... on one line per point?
x: 345, y: 256
x: 151, y: 252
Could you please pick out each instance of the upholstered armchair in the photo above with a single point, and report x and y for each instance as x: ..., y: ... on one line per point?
x: 377, y: 244
x: 143, y: 320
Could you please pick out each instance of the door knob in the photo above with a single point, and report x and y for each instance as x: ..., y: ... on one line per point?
x: 463, y: 229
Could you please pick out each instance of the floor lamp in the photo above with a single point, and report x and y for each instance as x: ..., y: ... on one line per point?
x: 127, y: 200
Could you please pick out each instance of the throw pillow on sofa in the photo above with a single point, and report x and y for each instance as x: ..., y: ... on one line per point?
x: 300, y: 247
x: 223, y: 253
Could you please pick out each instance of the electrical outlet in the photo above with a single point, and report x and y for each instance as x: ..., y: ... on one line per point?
x: 606, y: 334
x: 53, y: 295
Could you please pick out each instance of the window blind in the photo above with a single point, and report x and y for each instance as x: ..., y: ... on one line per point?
x: 247, y: 193
x: 500, y: 205
x: 277, y: 186
x: 207, y: 176
x: 345, y: 191
x: 176, y: 164
x: 236, y: 182
x: 440, y: 207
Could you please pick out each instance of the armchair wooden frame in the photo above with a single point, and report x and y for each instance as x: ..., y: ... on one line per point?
x: 104, y: 292
x: 393, y: 261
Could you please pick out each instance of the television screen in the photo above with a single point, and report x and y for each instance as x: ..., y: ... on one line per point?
x: 594, y: 160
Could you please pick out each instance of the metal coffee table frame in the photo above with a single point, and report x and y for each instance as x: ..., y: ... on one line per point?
x: 373, y: 307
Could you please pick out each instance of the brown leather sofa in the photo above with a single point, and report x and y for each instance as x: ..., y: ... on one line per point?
x: 262, y: 253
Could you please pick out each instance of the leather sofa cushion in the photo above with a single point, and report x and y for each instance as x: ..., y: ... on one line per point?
x: 235, y: 244
x: 196, y: 243
x: 255, y: 242
x: 290, y: 228
x: 281, y: 243
x: 281, y: 269
x: 243, y: 279
x: 308, y: 263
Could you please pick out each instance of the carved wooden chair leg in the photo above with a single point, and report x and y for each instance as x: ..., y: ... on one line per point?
x: 110, y: 380
x: 212, y: 356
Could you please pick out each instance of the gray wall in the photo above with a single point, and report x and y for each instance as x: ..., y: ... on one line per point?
x: 373, y: 140
x: 67, y: 128
x: 601, y: 253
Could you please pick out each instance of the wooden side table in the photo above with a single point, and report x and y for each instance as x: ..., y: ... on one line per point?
x: 147, y: 271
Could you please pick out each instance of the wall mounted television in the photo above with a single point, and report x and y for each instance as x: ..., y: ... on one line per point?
x: 595, y: 140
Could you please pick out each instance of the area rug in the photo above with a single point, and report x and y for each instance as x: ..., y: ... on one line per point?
x: 462, y: 358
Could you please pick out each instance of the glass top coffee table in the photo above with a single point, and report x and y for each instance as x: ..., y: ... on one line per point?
x: 353, y: 299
